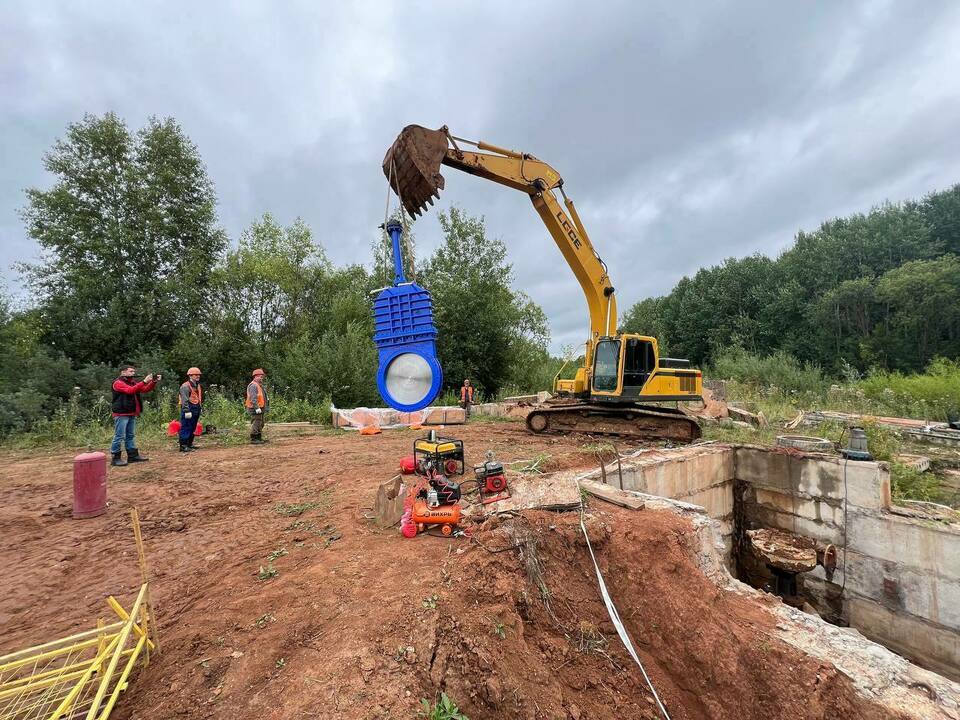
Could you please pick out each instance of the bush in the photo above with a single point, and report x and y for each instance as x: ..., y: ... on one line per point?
x: 779, y: 371
x: 934, y: 395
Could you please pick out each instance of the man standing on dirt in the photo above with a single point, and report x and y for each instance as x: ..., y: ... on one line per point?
x: 466, y: 396
x: 191, y: 403
x: 257, y: 404
x: 127, y: 406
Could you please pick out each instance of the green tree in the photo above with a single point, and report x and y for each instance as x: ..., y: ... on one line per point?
x: 128, y: 235
x: 924, y: 319
x: 484, y: 327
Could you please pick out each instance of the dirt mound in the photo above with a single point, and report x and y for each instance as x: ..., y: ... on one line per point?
x: 524, y: 633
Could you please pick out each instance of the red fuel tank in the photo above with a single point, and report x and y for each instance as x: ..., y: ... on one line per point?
x: 89, y: 485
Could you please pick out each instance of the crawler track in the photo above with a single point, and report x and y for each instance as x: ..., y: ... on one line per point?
x: 639, y: 422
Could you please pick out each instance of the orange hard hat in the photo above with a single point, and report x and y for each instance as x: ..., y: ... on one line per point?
x: 194, y: 371
x: 258, y: 371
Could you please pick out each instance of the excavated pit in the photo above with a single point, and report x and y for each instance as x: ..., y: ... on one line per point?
x: 710, y: 653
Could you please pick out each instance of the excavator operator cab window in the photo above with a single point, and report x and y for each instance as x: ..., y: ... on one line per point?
x: 606, y: 363
x: 639, y: 361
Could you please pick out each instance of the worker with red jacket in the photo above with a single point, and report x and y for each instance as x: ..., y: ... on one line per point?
x: 466, y: 396
x: 257, y: 404
x: 127, y: 406
x: 191, y: 403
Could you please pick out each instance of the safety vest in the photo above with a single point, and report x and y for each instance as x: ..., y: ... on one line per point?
x: 261, y: 399
x: 466, y: 393
x: 196, y: 394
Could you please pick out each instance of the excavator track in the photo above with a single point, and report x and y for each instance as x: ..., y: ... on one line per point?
x: 634, y: 422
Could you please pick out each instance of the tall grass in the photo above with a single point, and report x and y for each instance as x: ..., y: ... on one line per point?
x: 933, y: 395
x: 83, y: 422
x: 780, y: 386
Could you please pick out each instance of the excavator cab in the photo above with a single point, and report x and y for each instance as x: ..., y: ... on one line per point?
x: 628, y: 369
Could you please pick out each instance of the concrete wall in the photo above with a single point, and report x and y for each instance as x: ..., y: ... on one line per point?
x: 900, y: 580
x: 701, y: 475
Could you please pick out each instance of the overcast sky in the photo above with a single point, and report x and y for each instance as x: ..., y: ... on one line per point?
x: 686, y: 132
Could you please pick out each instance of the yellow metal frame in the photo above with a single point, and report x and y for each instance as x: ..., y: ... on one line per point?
x: 81, y: 675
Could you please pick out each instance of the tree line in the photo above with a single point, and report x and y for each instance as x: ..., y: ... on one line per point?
x: 874, y: 290
x: 135, y: 267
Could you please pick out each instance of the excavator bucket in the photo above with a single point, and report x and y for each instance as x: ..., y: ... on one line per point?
x: 412, y: 166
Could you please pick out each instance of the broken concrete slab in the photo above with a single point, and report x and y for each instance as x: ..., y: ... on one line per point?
x: 784, y: 550
x: 921, y: 463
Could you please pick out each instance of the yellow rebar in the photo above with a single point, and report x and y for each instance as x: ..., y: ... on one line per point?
x: 122, y: 614
x: 122, y: 681
x: 124, y: 634
x: 6, y: 659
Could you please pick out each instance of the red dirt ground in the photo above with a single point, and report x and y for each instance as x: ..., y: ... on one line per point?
x: 361, y: 623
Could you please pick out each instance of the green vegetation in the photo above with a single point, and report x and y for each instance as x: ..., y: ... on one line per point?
x: 135, y: 268
x: 443, y: 709
x: 781, y: 386
x: 431, y: 602
x: 880, y: 290
x: 295, y: 509
x: 268, y: 572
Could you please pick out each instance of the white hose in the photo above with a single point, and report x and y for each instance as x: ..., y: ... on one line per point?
x: 615, y: 616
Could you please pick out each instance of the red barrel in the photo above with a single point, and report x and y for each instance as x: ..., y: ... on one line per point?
x: 89, y: 485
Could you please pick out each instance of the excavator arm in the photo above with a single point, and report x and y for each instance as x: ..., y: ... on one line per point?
x: 412, y: 165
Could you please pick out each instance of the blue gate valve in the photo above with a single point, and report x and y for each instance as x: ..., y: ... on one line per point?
x: 409, y: 375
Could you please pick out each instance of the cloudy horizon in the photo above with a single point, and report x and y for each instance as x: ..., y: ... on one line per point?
x: 686, y: 132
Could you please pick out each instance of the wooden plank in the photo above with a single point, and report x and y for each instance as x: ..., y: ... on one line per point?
x: 612, y: 495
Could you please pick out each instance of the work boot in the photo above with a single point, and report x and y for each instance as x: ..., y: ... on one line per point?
x: 134, y: 456
x: 191, y: 445
x: 185, y: 447
x: 256, y: 438
x: 118, y: 460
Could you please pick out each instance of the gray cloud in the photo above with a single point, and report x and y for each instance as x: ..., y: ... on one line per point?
x: 687, y: 132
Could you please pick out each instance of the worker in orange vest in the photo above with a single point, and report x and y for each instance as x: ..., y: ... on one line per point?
x: 257, y: 404
x: 191, y: 403
x: 466, y: 396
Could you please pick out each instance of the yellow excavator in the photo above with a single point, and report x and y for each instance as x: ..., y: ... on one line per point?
x: 620, y: 373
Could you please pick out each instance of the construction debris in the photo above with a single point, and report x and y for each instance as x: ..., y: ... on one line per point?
x: 556, y: 491
x: 623, y: 498
x: 755, y: 419
x: 784, y: 550
x: 388, y: 418
x: 922, y: 430
x: 920, y: 463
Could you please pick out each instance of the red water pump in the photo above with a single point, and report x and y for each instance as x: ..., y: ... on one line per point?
x: 491, y: 480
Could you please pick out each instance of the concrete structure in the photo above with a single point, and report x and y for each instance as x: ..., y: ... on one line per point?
x: 697, y: 474
x: 893, y: 683
x: 898, y: 568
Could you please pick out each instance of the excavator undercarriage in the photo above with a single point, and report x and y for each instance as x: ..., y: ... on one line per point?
x: 636, y: 422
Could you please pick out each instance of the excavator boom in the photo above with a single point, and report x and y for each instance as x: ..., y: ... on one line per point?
x: 412, y: 165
